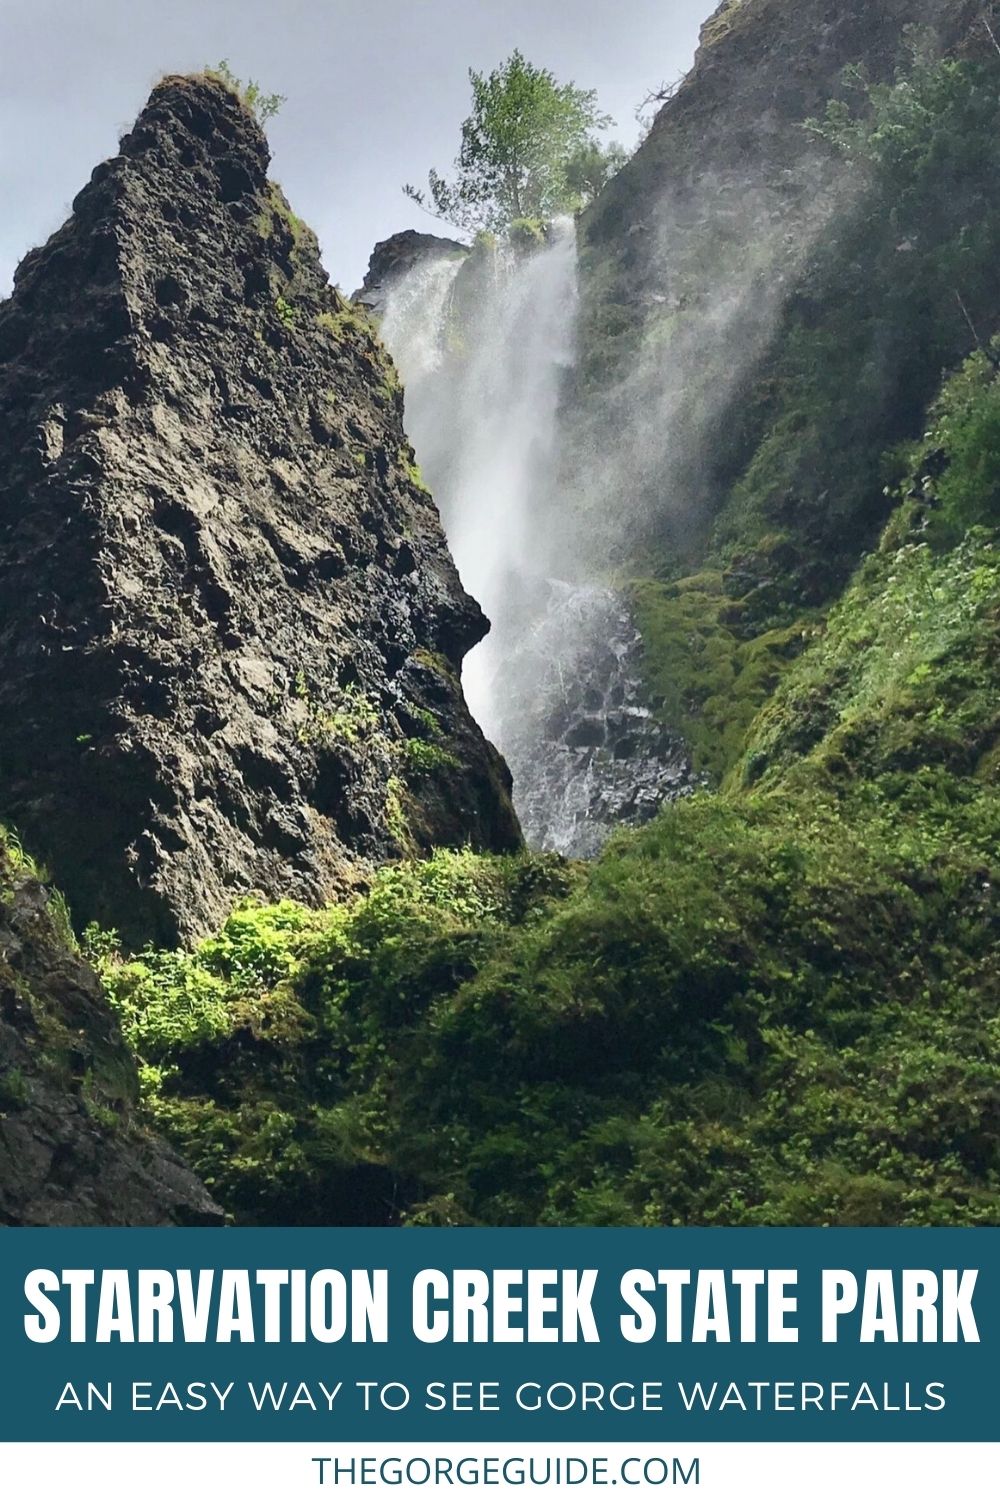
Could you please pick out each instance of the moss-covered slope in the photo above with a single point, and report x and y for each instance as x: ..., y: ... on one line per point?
x: 794, y: 277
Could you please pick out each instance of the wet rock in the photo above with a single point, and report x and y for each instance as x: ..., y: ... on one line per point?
x: 586, y: 752
x: 394, y: 258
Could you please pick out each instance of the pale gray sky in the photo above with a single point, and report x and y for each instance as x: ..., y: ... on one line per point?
x: 376, y: 91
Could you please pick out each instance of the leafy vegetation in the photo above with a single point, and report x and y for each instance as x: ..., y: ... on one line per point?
x: 809, y: 457
x: 776, y: 1004
x: 589, y: 168
x: 349, y: 719
x: 261, y: 105
x: 529, y: 151
x: 964, y: 445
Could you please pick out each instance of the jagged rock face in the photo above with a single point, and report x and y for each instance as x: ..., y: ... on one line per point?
x: 70, y: 1153
x: 728, y: 172
x: 693, y: 261
x: 393, y: 258
x: 227, y: 609
x: 763, y: 67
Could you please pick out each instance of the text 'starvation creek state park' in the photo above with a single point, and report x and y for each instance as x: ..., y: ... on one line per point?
x: 518, y: 745
x: 472, y: 1306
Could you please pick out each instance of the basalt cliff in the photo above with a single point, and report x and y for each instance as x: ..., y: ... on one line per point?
x: 231, y: 628
x: 230, y: 625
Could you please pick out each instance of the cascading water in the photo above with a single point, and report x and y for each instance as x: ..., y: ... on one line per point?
x: 484, y: 343
x: 483, y: 381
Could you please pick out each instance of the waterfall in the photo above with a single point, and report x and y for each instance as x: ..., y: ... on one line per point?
x: 482, y: 385
x: 484, y: 343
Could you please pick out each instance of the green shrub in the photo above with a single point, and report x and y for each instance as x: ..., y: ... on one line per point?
x: 527, y: 234
x: 262, y: 106
x: 966, y: 434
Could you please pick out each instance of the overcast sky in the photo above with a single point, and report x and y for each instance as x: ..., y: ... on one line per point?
x: 376, y: 91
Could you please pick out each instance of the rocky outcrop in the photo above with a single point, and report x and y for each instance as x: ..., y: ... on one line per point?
x: 393, y: 258
x: 735, y: 121
x: 70, y: 1150
x: 702, y: 237
x: 230, y: 626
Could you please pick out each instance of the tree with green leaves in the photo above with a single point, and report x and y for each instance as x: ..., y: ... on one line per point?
x: 529, y: 151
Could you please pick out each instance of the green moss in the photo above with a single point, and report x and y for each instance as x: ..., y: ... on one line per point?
x: 429, y: 722
x: 414, y: 473
x: 435, y: 661
x: 347, y: 720
x: 903, y: 679
x: 277, y: 210
x: 286, y: 312
x: 351, y: 326
x: 348, y: 320
x: 397, y: 820
x: 703, y: 680
x: 391, y: 386
x: 423, y: 759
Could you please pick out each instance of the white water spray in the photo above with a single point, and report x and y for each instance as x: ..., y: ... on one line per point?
x: 483, y: 382
x: 484, y: 345
x: 547, y: 500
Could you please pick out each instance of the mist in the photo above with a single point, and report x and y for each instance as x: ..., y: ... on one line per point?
x: 557, y: 469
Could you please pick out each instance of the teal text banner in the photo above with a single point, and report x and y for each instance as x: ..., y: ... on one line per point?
x: 547, y: 1336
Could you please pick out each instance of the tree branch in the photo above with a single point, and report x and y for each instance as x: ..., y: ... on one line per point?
x: 990, y: 33
x: 990, y: 354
